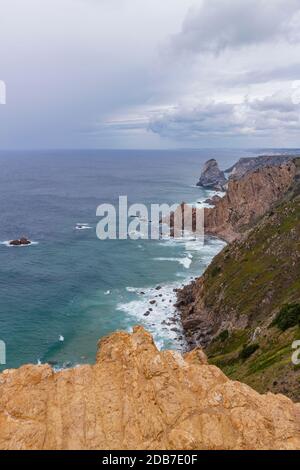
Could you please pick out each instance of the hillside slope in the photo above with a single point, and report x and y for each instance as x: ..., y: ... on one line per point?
x: 230, y: 310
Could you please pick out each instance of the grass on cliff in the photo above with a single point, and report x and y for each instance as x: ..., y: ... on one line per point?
x: 258, y: 278
x: 288, y: 317
x: 264, y: 365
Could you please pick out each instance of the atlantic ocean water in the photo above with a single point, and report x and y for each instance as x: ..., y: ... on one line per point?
x: 60, y: 295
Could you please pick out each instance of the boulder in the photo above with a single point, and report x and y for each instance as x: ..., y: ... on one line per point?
x: 21, y: 241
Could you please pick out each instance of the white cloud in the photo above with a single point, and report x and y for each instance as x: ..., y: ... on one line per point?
x: 220, y: 24
x: 101, y: 73
x: 259, y: 118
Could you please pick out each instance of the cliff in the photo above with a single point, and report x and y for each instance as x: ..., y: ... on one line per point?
x: 250, y: 164
x: 136, y: 397
x: 247, y: 199
x: 234, y: 309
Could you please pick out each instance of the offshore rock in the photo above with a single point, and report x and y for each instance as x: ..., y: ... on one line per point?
x: 211, y: 176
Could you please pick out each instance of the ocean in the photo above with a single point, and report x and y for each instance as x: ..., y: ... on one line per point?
x: 60, y: 295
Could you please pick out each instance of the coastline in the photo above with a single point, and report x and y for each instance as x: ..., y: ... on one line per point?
x: 155, y: 306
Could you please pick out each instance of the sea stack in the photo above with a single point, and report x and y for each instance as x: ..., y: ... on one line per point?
x: 212, y: 177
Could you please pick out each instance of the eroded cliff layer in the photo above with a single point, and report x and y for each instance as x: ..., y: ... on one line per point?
x: 247, y: 199
x: 136, y: 397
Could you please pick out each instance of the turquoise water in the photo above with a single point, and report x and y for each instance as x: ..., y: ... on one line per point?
x: 72, y: 286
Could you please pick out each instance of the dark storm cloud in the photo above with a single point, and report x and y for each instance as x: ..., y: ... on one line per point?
x: 101, y: 73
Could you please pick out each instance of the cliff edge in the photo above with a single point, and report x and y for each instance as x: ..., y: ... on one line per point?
x: 136, y: 397
x: 245, y: 309
x: 247, y: 199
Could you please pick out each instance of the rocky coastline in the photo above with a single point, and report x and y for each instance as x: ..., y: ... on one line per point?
x: 235, y: 388
x: 232, y: 305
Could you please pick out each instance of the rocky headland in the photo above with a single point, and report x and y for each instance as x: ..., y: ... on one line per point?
x: 136, y: 397
x: 245, y: 309
x: 247, y: 199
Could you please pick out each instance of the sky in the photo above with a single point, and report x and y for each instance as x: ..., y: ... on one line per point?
x: 150, y: 74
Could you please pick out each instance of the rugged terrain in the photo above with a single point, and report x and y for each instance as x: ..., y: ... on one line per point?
x: 250, y: 164
x: 247, y: 199
x: 231, y: 309
x: 136, y: 397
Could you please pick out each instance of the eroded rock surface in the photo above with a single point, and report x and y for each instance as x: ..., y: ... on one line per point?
x: 211, y: 176
x: 245, y: 165
x: 247, y: 199
x: 136, y: 397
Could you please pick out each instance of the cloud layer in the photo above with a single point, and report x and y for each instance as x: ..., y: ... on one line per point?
x: 134, y: 73
x: 220, y: 24
x: 258, y: 118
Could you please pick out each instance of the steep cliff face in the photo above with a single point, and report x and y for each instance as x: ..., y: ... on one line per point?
x: 136, y: 397
x: 247, y: 199
x: 231, y: 309
x: 250, y: 164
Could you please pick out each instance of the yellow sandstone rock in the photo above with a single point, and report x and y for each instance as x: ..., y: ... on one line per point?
x: 136, y: 397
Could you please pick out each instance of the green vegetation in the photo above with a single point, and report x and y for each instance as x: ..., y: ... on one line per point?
x: 288, y: 317
x: 249, y: 282
x: 223, y: 336
x: 247, y: 351
x: 215, y: 271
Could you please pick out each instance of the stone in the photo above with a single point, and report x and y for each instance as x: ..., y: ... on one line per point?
x: 19, y: 242
x: 137, y: 397
x: 211, y: 176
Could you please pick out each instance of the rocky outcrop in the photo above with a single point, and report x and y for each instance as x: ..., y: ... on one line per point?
x: 246, y: 165
x: 212, y: 177
x: 247, y: 199
x: 136, y: 397
x: 19, y: 242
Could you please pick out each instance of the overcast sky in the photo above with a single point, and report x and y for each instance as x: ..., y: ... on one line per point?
x: 150, y: 73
